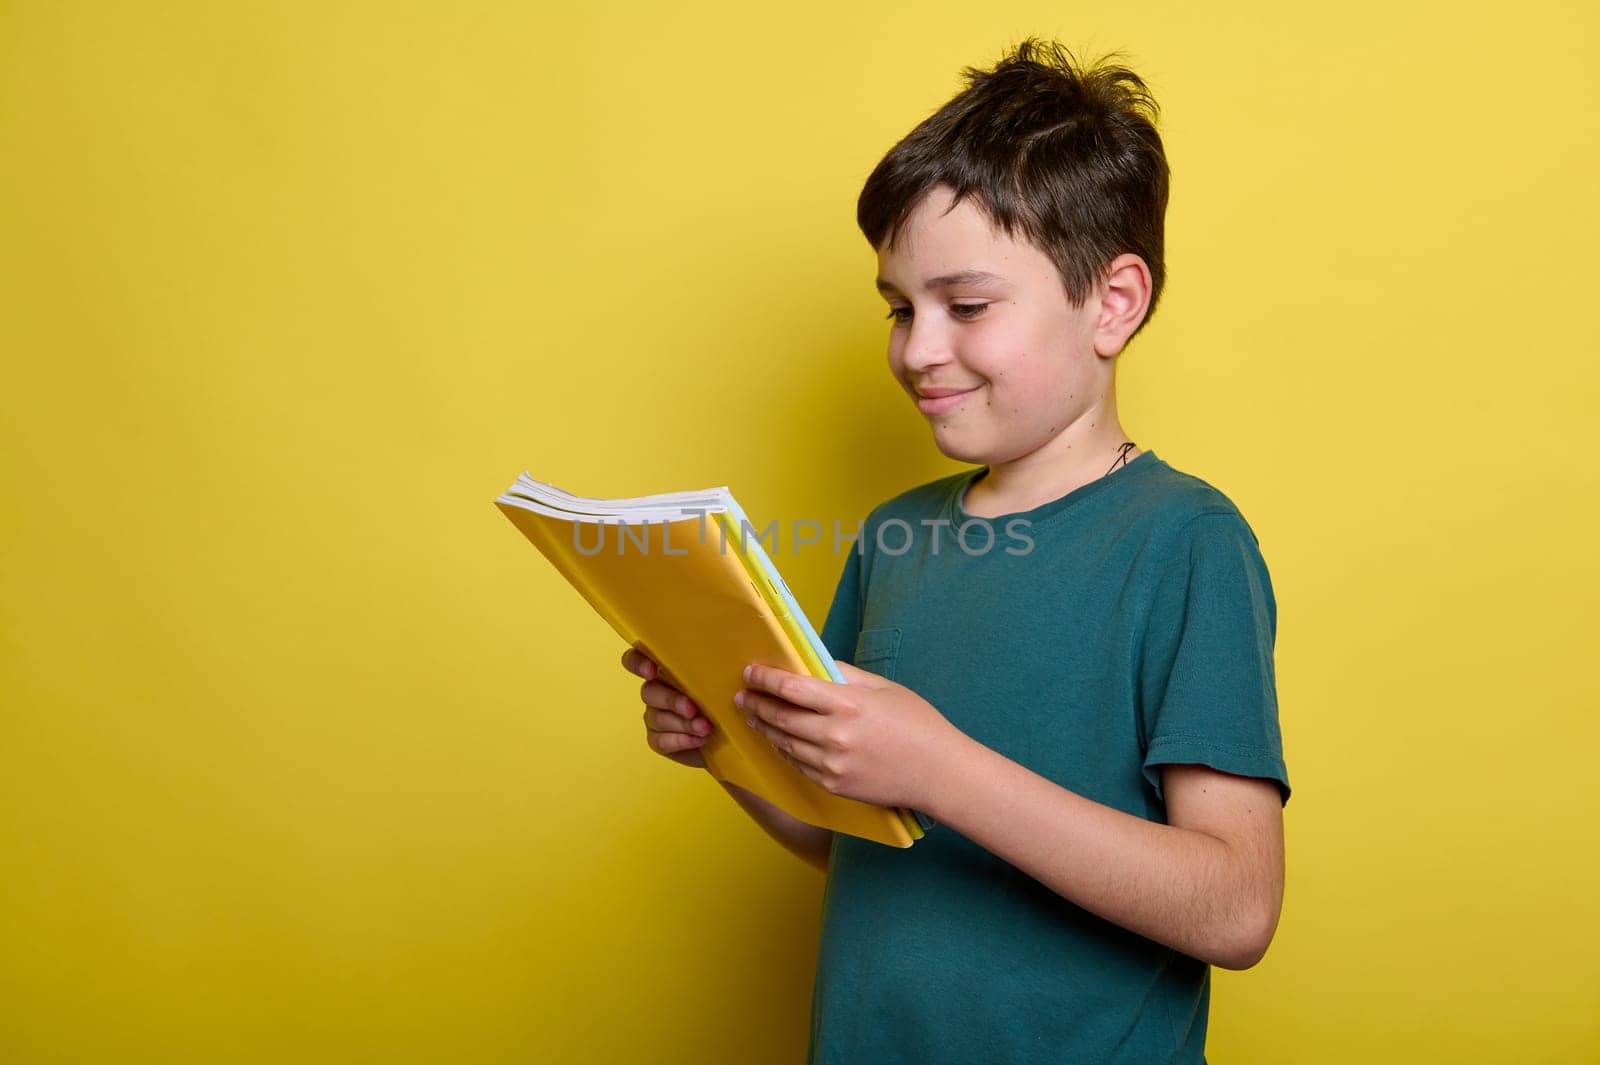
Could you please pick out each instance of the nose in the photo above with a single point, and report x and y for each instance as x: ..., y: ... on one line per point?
x: 926, y: 345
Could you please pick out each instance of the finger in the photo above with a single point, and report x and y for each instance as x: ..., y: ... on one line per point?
x: 644, y: 665
x: 666, y: 697
x: 797, y: 721
x: 804, y: 754
x: 823, y: 696
x: 811, y: 774
x: 807, y: 771
x: 667, y: 721
x: 673, y: 742
x: 639, y: 663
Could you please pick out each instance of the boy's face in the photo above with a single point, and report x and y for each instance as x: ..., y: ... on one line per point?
x: 1000, y: 365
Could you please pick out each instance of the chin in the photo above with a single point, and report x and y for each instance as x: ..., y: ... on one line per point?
x: 953, y: 446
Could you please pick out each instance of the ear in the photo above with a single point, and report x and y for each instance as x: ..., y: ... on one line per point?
x: 1124, y: 300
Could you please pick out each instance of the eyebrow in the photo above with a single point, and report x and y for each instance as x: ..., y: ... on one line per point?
x: 960, y: 277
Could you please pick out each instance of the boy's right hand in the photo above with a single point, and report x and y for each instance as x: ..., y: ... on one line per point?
x: 674, y: 726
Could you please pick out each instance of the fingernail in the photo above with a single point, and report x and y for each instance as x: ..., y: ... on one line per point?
x: 747, y: 672
x: 738, y: 699
x: 702, y: 726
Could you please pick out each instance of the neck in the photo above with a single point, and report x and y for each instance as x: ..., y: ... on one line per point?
x: 1091, y: 447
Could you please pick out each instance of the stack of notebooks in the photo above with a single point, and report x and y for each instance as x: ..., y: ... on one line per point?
x: 683, y: 578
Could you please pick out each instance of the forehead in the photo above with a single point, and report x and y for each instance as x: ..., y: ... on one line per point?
x: 938, y: 220
x: 955, y: 243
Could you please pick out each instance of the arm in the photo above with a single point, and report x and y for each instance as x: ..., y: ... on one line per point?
x: 1209, y: 883
x: 808, y: 842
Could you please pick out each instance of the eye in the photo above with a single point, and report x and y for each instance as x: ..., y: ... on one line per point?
x: 964, y: 311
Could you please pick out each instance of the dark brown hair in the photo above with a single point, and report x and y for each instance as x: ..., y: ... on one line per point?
x: 1064, y: 154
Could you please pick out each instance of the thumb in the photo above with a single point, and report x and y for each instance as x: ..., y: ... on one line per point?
x: 853, y: 675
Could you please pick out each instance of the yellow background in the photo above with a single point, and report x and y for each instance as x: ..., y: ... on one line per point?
x: 308, y: 756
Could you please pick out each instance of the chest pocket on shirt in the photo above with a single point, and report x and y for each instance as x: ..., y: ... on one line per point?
x: 877, y: 651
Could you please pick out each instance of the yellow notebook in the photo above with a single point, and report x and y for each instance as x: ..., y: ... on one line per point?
x: 682, y: 577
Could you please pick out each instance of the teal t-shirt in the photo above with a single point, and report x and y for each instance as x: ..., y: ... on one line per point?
x: 1126, y: 625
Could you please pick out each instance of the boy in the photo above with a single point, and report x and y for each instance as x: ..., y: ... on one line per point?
x: 1090, y: 718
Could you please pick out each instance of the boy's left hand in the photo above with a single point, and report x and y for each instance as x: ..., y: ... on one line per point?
x: 868, y: 739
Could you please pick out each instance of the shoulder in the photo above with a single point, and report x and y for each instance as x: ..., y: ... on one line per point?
x: 1190, y: 535
x: 1203, y: 544
x: 1179, y: 506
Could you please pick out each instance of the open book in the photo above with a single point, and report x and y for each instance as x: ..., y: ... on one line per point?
x: 683, y: 578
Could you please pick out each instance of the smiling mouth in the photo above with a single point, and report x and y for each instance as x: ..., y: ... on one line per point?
x: 940, y: 400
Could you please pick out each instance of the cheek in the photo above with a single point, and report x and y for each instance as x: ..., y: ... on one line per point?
x: 1032, y: 387
x: 1022, y: 375
x: 896, y: 357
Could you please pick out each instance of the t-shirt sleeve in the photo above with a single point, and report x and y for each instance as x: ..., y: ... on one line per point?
x: 843, y: 626
x: 1209, y: 688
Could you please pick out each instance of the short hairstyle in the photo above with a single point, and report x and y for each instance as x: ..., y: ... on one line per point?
x: 1068, y: 155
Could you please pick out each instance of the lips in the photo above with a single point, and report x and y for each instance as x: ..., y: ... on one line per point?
x: 941, y: 400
